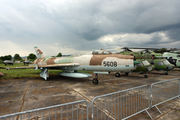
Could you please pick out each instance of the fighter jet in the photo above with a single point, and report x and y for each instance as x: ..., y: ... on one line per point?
x: 8, y: 62
x: 27, y: 62
x: 101, y: 62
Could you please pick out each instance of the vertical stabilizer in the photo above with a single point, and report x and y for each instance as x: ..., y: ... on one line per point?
x: 39, y: 53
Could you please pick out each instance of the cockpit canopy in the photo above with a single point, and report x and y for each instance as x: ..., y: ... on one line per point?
x: 101, y: 52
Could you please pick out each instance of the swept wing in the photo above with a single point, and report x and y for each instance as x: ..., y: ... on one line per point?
x: 46, y: 66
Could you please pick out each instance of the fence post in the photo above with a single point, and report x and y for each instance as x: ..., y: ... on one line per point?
x: 179, y: 86
x: 149, y: 100
x: 151, y: 97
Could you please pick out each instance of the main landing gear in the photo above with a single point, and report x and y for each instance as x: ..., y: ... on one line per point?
x: 166, y: 73
x: 145, y: 76
x: 117, y: 74
x: 95, y: 80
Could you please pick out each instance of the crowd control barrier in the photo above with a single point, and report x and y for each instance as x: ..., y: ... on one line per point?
x: 121, y: 104
x: 74, y: 111
x: 113, y: 106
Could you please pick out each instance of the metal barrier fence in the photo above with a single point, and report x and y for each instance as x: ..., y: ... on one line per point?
x: 164, y: 91
x: 118, y: 105
x: 74, y: 111
x: 121, y: 104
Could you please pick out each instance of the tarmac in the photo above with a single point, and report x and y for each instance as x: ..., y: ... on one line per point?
x: 19, y: 95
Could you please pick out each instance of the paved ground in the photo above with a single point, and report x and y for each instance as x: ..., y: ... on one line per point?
x: 31, y: 93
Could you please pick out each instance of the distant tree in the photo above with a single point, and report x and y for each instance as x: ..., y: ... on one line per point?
x: 32, y: 57
x: 7, y: 57
x: 59, y: 55
x: 17, y: 57
x: 162, y: 50
x: 1, y: 61
x: 2, y: 58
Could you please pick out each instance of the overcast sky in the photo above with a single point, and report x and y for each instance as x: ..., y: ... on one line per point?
x: 79, y: 26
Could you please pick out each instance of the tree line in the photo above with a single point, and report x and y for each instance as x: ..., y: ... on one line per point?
x: 17, y: 57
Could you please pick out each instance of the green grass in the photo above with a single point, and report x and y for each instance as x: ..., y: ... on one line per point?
x: 18, y: 73
x: 25, y: 73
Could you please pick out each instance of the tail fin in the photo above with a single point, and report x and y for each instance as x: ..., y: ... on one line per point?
x: 39, y: 53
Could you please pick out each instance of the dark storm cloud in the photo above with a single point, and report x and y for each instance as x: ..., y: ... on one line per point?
x: 113, y: 17
x: 174, y: 34
x: 164, y: 28
x: 83, y: 25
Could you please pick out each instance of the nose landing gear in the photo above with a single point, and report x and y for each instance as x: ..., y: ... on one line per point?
x: 146, y: 76
x: 166, y: 73
x: 95, y: 80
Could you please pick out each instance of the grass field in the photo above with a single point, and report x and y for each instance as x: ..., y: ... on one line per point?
x: 25, y: 73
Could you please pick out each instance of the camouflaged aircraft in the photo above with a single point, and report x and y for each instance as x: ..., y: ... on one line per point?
x: 156, y: 59
x: 101, y: 62
x: 173, y: 57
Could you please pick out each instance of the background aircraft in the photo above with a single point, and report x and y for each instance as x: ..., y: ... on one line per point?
x: 142, y: 67
x: 173, y: 57
x: 156, y: 59
x: 101, y: 62
x: 8, y: 62
x: 27, y: 62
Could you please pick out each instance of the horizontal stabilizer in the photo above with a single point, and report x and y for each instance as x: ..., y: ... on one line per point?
x: 75, y: 75
x: 20, y: 67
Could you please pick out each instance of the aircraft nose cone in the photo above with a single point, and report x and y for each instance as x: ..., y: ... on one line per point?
x: 170, y: 67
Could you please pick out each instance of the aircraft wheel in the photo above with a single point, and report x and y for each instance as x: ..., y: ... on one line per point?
x: 95, y: 81
x: 166, y: 73
x: 145, y: 76
x: 127, y: 73
x: 117, y: 74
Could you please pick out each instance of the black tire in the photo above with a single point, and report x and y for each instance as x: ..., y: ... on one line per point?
x: 117, y: 74
x: 145, y: 76
x: 95, y: 81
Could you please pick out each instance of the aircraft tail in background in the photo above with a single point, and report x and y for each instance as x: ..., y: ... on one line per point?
x: 39, y: 53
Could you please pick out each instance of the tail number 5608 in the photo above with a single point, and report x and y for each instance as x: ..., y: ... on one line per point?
x: 110, y: 63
